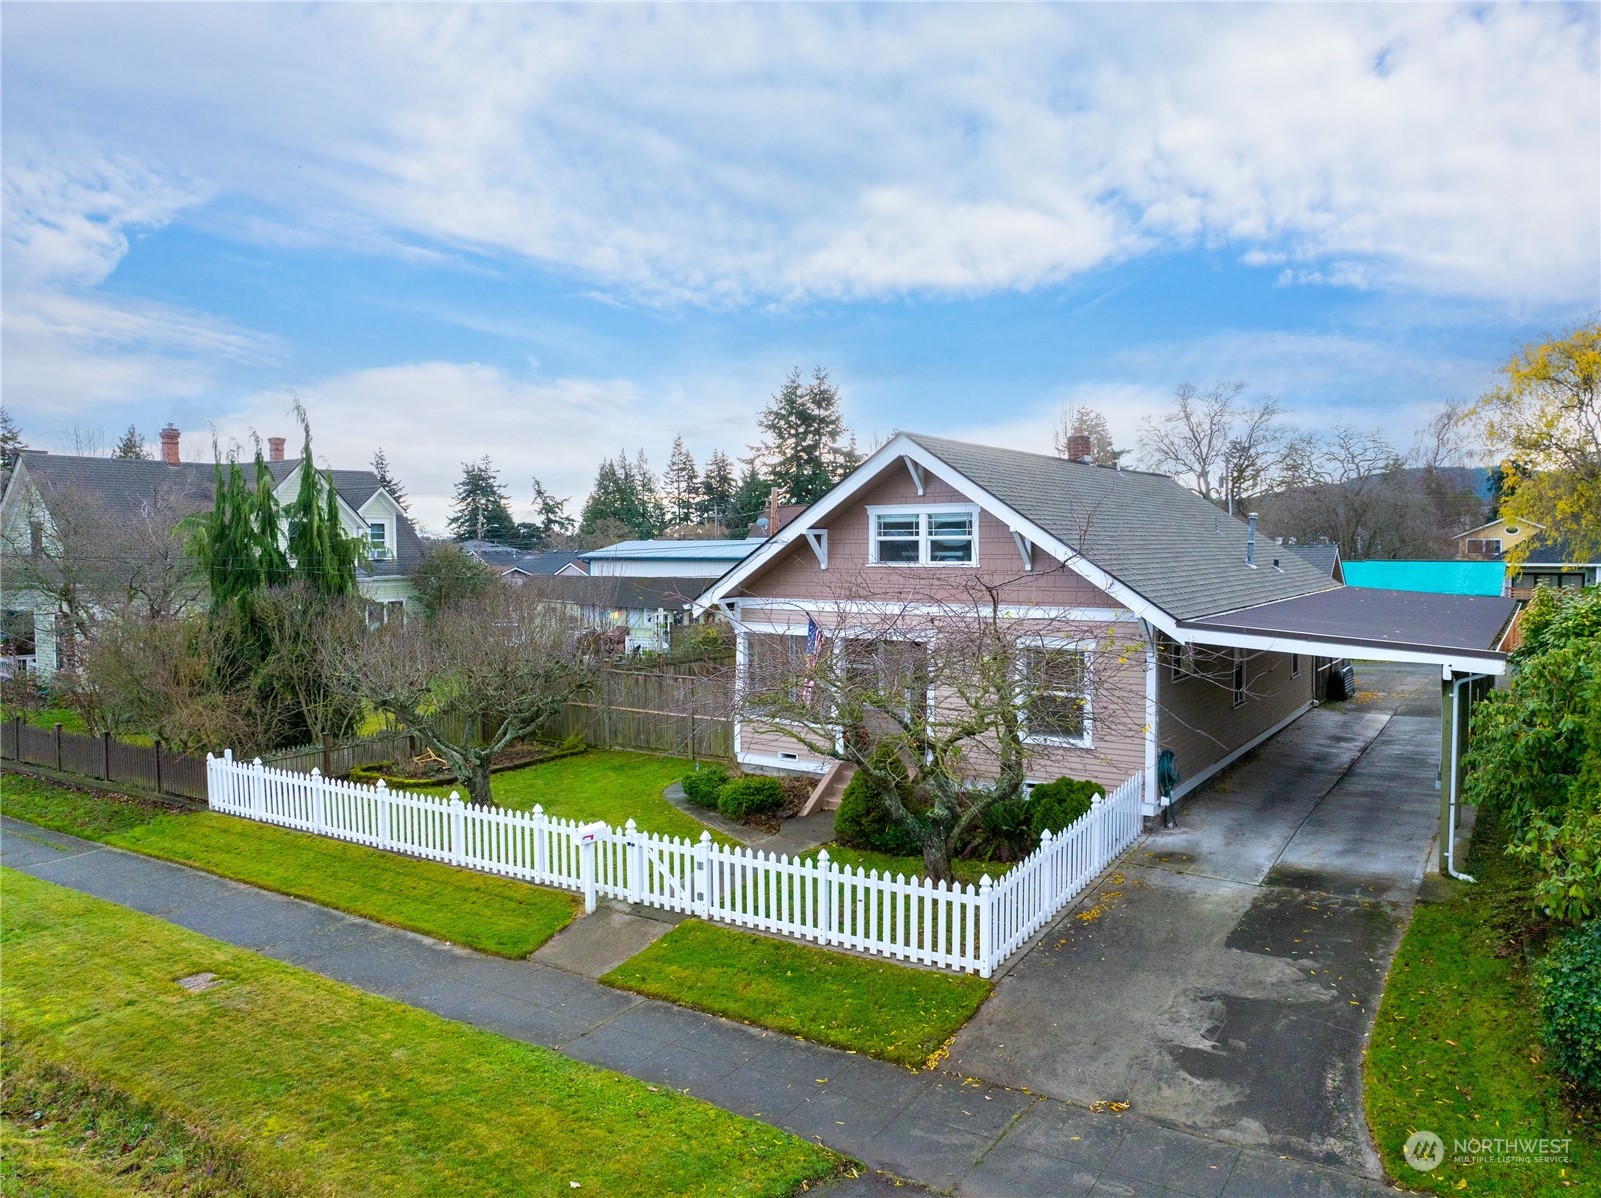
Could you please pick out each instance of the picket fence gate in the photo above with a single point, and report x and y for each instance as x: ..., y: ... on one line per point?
x: 966, y: 928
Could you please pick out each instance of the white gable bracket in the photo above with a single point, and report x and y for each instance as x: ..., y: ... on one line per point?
x: 1025, y: 549
x: 817, y: 538
x: 916, y: 471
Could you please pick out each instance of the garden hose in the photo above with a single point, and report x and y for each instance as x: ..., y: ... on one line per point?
x: 1167, y: 777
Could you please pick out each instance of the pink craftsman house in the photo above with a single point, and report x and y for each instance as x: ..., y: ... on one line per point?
x: 1107, y: 566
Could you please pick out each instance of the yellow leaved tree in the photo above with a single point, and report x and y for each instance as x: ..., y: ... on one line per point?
x: 1544, y: 423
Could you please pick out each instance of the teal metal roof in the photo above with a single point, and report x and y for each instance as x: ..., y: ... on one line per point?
x: 1438, y: 578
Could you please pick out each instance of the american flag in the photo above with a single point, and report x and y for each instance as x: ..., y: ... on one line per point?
x: 814, y: 650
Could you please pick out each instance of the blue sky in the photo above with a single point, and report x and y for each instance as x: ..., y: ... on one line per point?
x: 548, y: 233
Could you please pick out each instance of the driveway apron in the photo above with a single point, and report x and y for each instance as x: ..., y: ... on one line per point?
x: 1224, y: 980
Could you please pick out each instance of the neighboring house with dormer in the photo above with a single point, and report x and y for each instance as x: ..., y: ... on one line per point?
x: 1148, y: 619
x: 47, y: 492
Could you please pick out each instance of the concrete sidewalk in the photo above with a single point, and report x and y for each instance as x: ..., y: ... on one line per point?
x: 935, y: 1129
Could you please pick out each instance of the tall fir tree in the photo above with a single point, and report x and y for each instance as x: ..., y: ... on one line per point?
x: 479, y: 507
x: 681, y: 486
x: 750, y: 500
x: 132, y: 447
x: 388, y: 481
x: 717, y: 487
x: 325, y: 556
x: 624, y: 491
x: 806, y: 448
x: 11, y: 443
x: 551, y: 520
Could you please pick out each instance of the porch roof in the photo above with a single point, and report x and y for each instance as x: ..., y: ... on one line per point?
x: 1459, y: 632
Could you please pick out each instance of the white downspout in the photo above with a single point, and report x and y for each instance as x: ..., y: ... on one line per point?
x: 1456, y: 773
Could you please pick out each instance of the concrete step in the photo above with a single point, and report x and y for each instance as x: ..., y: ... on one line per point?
x: 826, y: 794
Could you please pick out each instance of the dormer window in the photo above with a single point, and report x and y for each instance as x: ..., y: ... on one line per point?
x: 378, y: 541
x: 946, y: 535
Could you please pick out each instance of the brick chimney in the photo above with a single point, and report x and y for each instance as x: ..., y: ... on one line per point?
x: 1078, y: 447
x: 275, y: 449
x: 169, y: 445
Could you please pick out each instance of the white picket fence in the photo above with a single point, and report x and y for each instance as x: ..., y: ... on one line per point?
x: 967, y: 928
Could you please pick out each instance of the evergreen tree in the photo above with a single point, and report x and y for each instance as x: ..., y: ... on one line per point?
x: 624, y: 491
x: 132, y: 447
x: 550, y: 521
x: 806, y: 449
x: 681, y: 486
x: 325, y: 555
x: 478, y: 509
x: 749, y: 502
x: 11, y: 443
x: 386, y: 480
x: 717, y: 488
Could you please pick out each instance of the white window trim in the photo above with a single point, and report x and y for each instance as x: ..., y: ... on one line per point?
x: 1295, y: 665
x: 388, y: 546
x: 1238, y: 668
x: 1181, y: 660
x: 1087, y: 740
x: 874, y: 511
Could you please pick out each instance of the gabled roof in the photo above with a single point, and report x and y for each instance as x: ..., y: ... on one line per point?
x: 1492, y: 524
x: 1148, y: 541
x: 689, y: 551
x: 121, y: 483
x: 1321, y: 555
x: 622, y: 591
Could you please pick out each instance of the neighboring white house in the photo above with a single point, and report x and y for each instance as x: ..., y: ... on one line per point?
x: 668, y: 559
x: 178, y: 488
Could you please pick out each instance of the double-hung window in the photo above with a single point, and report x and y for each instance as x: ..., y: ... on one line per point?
x: 378, y: 540
x: 1239, y: 677
x: 945, y: 536
x: 1056, y: 694
x: 777, y: 668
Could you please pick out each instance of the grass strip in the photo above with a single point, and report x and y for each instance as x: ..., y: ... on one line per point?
x: 890, y: 1011
x: 309, y: 1078
x: 1456, y: 1046
x: 480, y: 911
x: 62, y: 1134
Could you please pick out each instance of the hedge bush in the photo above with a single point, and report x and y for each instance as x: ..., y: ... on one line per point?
x: 863, y: 821
x: 1569, y: 982
x: 1005, y: 832
x: 750, y: 795
x: 703, y: 786
x: 1055, y: 805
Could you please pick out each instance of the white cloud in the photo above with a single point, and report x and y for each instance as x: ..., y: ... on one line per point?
x: 68, y: 346
x: 430, y: 417
x: 728, y: 154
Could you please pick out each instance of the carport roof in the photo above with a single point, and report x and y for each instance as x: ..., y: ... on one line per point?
x: 1457, y: 631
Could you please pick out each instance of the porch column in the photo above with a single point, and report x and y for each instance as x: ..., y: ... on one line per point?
x: 1151, y: 804
x: 1448, y: 764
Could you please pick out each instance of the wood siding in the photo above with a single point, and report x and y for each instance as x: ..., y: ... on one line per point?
x: 1196, y: 716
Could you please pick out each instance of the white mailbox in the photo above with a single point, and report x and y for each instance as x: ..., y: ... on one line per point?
x: 590, y: 833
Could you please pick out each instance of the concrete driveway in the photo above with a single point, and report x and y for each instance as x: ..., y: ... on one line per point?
x: 1225, y: 979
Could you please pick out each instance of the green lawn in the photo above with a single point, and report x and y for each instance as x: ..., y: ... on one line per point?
x: 301, y: 1079
x: 605, y: 784
x: 49, y: 717
x: 1456, y: 1048
x: 481, y: 911
x: 869, y: 1006
x: 966, y: 871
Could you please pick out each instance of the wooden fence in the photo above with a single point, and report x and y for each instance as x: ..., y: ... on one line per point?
x: 150, y: 767
x: 684, y: 711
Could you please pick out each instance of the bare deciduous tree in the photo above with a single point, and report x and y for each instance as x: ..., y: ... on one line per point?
x: 1222, y: 449
x: 480, y: 675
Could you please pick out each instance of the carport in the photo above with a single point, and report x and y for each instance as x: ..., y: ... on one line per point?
x: 1466, y: 636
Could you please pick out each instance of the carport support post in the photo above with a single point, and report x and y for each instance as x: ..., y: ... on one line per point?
x: 1447, y: 763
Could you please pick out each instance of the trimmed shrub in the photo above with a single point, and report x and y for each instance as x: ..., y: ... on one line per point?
x: 1055, y: 805
x: 1569, y: 983
x: 864, y: 822
x: 751, y: 795
x: 703, y: 786
x: 1005, y: 832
